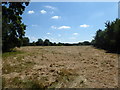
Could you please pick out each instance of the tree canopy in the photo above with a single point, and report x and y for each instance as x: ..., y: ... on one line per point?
x: 109, y: 38
x: 40, y: 42
x: 25, y: 41
x: 12, y: 25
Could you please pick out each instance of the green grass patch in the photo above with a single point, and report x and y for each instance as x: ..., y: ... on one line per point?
x: 12, y: 53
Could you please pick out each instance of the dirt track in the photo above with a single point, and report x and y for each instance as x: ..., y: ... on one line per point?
x: 61, y: 66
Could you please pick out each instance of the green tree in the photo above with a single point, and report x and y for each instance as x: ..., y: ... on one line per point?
x: 33, y: 43
x: 54, y: 44
x: 46, y: 42
x: 39, y: 42
x: 60, y: 44
x: 109, y: 38
x: 12, y: 25
x: 25, y: 41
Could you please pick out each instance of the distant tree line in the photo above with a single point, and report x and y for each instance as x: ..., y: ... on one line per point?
x: 109, y: 38
x: 47, y: 42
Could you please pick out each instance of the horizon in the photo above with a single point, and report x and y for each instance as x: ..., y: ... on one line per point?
x: 65, y: 22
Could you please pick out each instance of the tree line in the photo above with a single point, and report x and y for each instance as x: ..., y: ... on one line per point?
x: 109, y: 38
x: 47, y: 42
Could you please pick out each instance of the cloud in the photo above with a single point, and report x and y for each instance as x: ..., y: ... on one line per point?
x: 48, y: 33
x: 56, y: 17
x: 75, y: 33
x: 31, y: 12
x: 84, y: 26
x: 50, y: 7
x: 64, y: 27
x: 53, y: 27
x: 43, y: 12
x: 61, y: 27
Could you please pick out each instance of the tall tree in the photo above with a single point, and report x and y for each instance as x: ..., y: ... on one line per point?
x: 12, y: 25
x: 109, y: 38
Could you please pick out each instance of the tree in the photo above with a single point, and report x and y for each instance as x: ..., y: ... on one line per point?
x: 80, y: 43
x: 39, y: 42
x: 54, y: 44
x: 60, y: 44
x: 109, y: 38
x: 25, y: 41
x: 51, y: 44
x: 86, y: 43
x: 12, y: 25
x: 33, y: 43
x: 46, y: 42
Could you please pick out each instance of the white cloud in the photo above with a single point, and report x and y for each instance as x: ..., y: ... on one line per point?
x: 48, y: 33
x: 75, y: 33
x: 64, y: 27
x: 61, y: 27
x: 50, y: 7
x: 43, y: 12
x: 31, y: 12
x: 53, y: 27
x: 84, y: 26
x: 56, y: 17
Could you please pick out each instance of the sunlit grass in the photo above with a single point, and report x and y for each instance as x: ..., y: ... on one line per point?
x: 12, y: 53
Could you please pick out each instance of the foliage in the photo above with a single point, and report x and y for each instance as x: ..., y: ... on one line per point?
x: 39, y: 42
x: 108, y: 39
x: 46, y: 42
x: 33, y: 43
x: 25, y: 41
x: 86, y: 43
x: 12, y: 25
x: 60, y: 44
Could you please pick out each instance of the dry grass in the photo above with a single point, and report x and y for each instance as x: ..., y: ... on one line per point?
x: 60, y: 66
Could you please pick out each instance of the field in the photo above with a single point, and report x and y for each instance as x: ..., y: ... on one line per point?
x: 60, y: 67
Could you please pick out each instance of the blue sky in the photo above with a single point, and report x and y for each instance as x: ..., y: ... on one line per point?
x: 67, y: 21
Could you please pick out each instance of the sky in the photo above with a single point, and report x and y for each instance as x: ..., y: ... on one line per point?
x: 67, y: 22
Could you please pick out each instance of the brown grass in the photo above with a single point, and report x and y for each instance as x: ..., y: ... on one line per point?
x: 60, y: 66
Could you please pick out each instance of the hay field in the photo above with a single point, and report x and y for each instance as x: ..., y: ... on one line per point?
x: 60, y: 67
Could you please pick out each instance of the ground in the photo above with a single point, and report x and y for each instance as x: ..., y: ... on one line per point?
x: 60, y: 67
